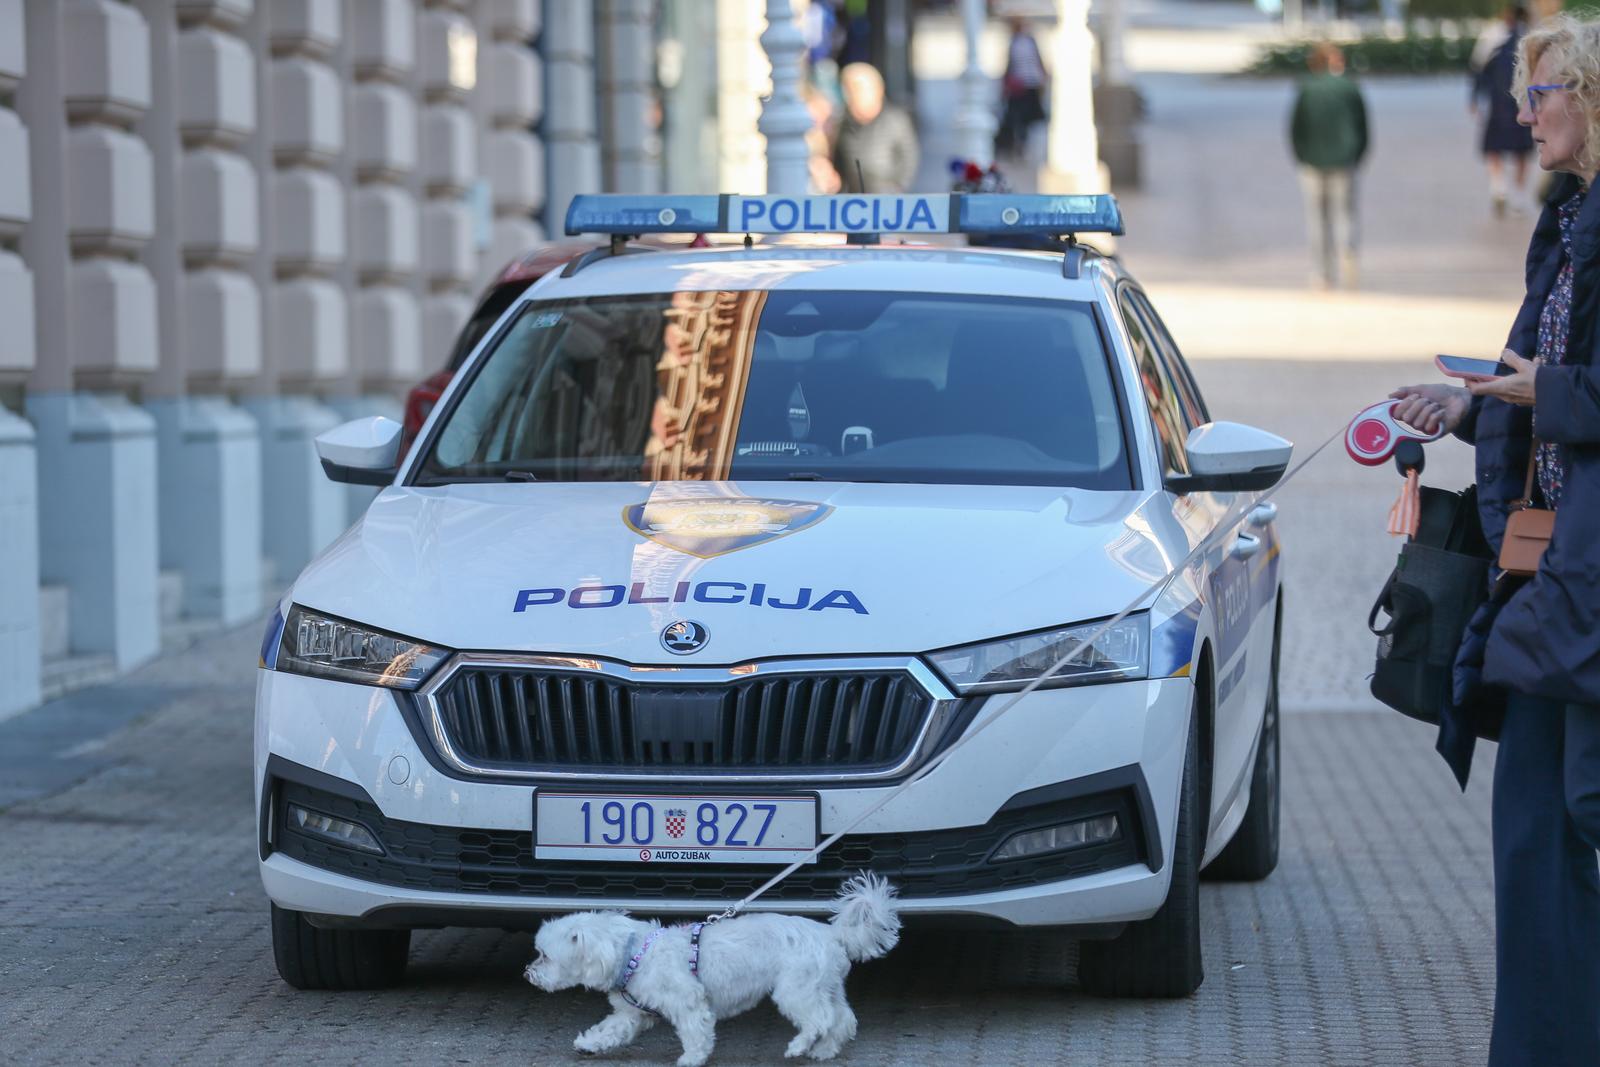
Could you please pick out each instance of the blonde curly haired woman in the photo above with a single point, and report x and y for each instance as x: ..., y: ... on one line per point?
x: 1532, y: 653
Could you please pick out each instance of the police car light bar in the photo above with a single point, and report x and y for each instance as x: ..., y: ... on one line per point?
x: 986, y: 213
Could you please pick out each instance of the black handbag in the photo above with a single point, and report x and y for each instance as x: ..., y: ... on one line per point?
x: 1438, y: 582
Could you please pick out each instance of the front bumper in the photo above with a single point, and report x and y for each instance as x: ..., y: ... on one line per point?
x: 459, y: 851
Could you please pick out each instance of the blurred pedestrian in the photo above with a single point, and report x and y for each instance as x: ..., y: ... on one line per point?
x: 1328, y: 131
x: 875, y: 150
x: 1494, y: 61
x: 823, y: 37
x: 1022, y: 90
x: 819, y: 141
x: 1531, y: 655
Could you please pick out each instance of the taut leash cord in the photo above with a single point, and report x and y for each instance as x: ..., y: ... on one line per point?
x: 1224, y: 528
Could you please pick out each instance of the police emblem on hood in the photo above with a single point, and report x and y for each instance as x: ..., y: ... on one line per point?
x: 708, y: 527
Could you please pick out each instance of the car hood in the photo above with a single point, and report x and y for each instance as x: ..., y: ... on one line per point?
x: 769, y: 569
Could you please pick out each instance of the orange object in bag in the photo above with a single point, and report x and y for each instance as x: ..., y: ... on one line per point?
x: 1407, y: 511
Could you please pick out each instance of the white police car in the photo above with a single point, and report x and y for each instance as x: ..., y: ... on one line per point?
x: 704, y: 551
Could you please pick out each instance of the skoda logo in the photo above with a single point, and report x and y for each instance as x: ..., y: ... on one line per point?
x: 684, y: 636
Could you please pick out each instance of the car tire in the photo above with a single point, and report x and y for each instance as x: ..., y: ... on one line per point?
x: 311, y: 958
x: 1253, y: 852
x: 1159, y: 956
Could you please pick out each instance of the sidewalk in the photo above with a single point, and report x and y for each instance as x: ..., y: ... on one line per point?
x: 135, y: 930
x: 1217, y: 233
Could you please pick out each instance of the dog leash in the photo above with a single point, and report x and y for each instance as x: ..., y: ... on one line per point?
x: 1223, y: 528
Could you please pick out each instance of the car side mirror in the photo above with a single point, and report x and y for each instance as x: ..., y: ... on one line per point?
x: 361, y: 451
x: 1230, y: 457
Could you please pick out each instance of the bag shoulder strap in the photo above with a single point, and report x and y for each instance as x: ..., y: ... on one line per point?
x: 1527, y: 486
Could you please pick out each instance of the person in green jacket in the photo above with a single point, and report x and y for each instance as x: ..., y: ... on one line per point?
x: 1329, y: 134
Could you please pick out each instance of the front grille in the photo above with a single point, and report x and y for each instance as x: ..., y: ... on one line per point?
x: 936, y: 863
x: 532, y: 719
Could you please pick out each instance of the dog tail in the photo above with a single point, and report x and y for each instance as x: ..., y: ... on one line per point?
x: 866, y: 917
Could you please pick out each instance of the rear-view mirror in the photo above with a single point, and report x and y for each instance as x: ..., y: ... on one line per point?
x: 1230, y: 457
x: 361, y: 451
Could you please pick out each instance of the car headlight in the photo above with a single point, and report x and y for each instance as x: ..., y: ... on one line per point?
x: 332, y: 648
x: 1120, y: 654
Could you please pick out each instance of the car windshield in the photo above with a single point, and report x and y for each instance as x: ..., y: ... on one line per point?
x: 798, y: 385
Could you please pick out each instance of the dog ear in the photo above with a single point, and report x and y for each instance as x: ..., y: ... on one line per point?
x: 592, y: 949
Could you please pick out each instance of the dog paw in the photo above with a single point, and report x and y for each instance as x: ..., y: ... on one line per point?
x: 798, y: 1047
x: 686, y: 1060
x: 589, y: 1043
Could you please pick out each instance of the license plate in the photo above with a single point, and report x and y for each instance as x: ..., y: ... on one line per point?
x: 657, y: 828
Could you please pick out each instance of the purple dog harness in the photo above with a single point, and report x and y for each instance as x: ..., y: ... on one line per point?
x: 632, y: 965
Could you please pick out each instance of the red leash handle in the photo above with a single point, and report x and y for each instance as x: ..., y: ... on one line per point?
x: 1374, y: 434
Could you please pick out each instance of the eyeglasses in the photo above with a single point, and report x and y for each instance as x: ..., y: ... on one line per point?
x: 1536, y: 94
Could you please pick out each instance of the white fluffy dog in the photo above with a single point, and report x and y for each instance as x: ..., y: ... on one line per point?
x: 800, y: 963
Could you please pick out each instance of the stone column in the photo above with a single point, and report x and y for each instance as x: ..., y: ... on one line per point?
x: 573, y: 147
x: 510, y: 102
x: 742, y: 79
x: 630, y: 145
x: 203, y: 108
x: 303, y: 216
x: 1073, y: 161
x: 447, y: 66
x: 1117, y: 104
x: 385, y: 345
x: 19, y: 498
x: 975, y: 120
x: 88, y: 83
x: 784, y: 118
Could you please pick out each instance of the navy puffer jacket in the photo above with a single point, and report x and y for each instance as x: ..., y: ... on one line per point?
x: 1542, y: 637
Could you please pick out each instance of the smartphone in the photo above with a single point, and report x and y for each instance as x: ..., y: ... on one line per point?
x: 1473, y: 370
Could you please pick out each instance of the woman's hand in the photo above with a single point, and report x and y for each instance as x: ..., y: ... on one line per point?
x: 1429, y: 407
x: 1515, y: 388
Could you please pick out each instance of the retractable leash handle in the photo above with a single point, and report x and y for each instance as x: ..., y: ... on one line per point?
x: 1374, y: 435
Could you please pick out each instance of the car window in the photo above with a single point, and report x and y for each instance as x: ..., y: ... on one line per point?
x: 1161, y: 395
x: 1193, y: 403
x: 485, y: 315
x: 799, y: 385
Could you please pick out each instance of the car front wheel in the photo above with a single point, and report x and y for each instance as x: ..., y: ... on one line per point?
x: 312, y: 958
x: 1160, y: 956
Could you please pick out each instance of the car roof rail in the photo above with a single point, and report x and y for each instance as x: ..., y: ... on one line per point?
x: 617, y: 246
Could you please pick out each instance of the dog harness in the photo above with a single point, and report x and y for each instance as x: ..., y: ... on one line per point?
x: 632, y: 966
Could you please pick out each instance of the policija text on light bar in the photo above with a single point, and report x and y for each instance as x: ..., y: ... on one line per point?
x: 942, y: 213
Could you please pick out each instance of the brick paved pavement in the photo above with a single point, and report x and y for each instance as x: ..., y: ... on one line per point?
x: 134, y: 929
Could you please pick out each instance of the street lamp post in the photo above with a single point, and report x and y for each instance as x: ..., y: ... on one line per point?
x: 784, y: 118
x: 974, y: 120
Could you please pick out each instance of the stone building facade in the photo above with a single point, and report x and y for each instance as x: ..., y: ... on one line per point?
x: 228, y: 225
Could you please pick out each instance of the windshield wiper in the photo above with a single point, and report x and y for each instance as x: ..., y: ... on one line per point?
x: 520, y: 476
x: 813, y: 476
